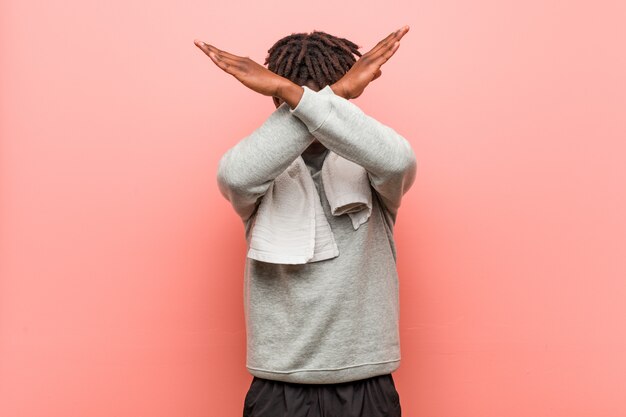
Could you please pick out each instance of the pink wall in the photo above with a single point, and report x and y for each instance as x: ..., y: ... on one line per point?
x: 121, y: 264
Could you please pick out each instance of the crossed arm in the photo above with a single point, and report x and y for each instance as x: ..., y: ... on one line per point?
x: 247, y: 170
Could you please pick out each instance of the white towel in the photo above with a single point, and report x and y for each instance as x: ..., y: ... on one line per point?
x: 290, y: 226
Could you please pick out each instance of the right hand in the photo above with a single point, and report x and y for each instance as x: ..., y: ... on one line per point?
x: 367, y: 68
x: 251, y: 74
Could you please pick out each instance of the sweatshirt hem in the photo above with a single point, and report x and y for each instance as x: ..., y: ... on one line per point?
x: 328, y: 375
x: 313, y: 114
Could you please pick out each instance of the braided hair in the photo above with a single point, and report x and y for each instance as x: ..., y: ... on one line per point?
x: 316, y: 56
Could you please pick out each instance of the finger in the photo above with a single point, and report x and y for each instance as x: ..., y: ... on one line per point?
x: 226, y: 64
x: 388, y: 41
x: 390, y: 44
x: 206, y: 47
x: 379, y: 44
x: 384, y: 42
x: 223, y: 53
x: 384, y: 56
x: 401, y: 32
x: 223, y: 57
x: 218, y: 55
x: 218, y: 51
x: 228, y: 67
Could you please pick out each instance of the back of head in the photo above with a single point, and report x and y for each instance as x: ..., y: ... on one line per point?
x: 317, y: 56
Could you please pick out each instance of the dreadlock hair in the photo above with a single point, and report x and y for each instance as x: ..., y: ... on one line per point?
x: 318, y: 56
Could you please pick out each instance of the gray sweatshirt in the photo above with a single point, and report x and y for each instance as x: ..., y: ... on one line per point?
x: 335, y: 320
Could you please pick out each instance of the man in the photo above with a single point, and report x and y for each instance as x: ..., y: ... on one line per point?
x: 322, y: 336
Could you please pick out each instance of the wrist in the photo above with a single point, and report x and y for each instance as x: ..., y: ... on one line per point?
x: 289, y: 92
x: 340, y: 90
x: 286, y: 89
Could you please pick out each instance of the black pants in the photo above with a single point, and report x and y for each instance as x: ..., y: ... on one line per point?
x: 370, y: 397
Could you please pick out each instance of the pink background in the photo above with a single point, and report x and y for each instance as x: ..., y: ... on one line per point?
x: 121, y: 265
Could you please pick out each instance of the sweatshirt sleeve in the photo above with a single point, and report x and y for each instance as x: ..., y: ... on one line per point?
x: 246, y: 171
x: 344, y: 128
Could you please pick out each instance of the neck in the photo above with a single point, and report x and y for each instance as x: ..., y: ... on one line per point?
x: 315, y: 148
